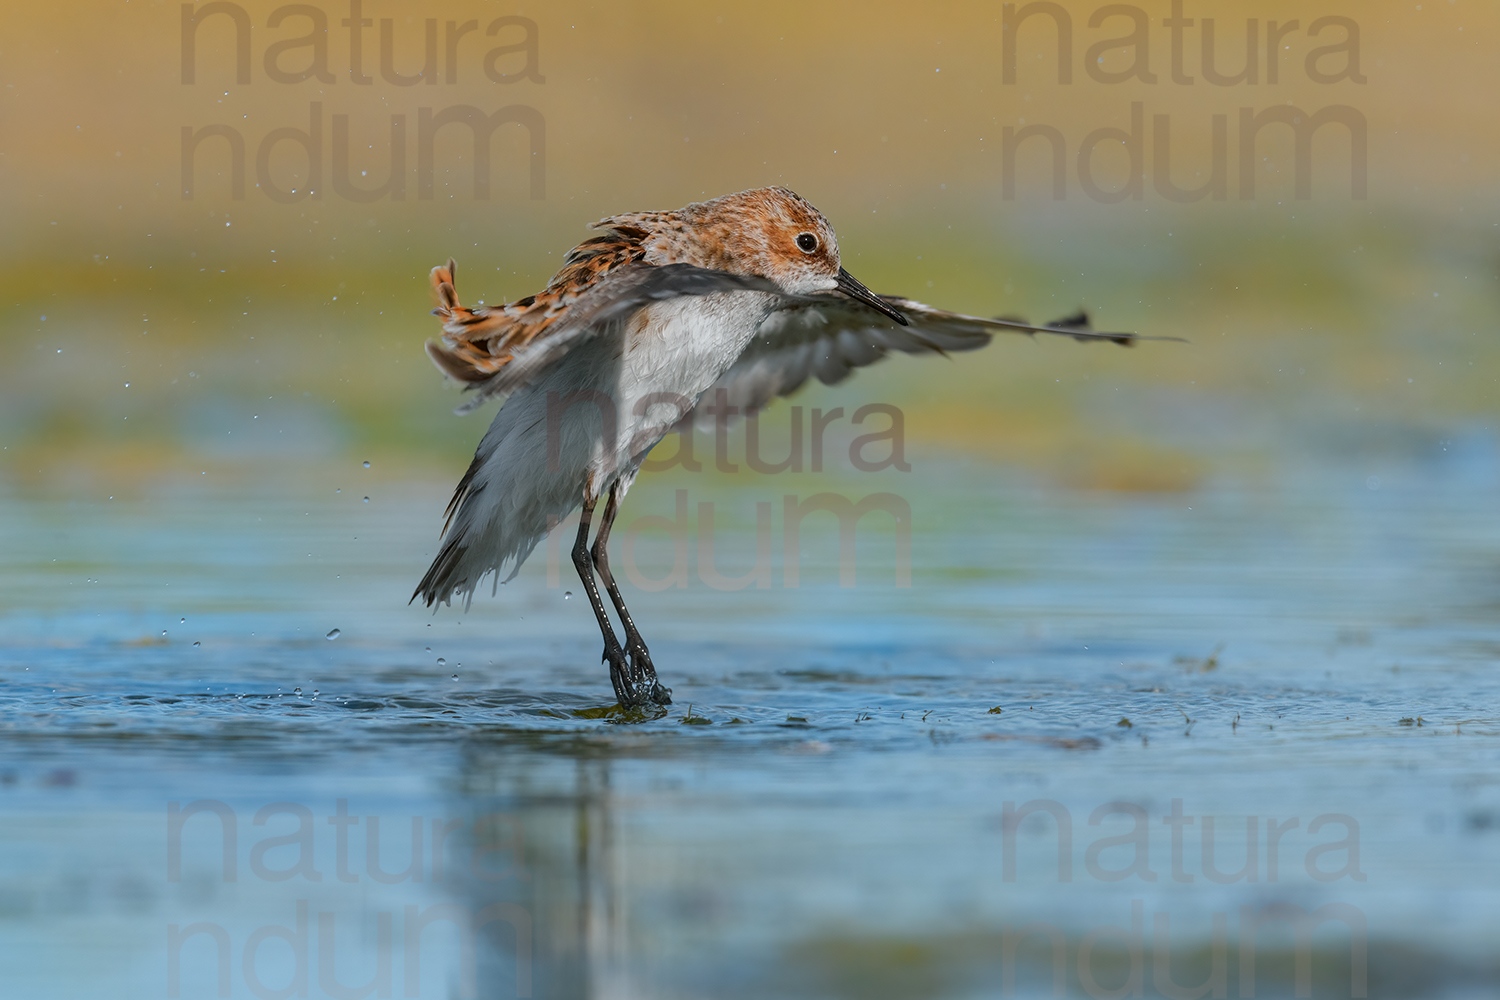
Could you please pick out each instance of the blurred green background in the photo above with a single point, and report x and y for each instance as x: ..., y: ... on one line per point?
x: 147, y: 337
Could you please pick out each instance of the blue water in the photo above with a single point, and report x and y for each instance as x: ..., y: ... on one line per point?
x: 830, y: 806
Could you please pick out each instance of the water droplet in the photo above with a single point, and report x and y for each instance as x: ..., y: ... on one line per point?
x: 367, y: 465
x: 567, y: 595
x: 333, y: 633
x: 429, y: 649
x: 315, y: 692
x: 163, y: 631
x: 367, y: 499
x: 442, y: 662
x: 197, y: 644
x: 455, y: 677
x: 183, y: 620
x: 297, y: 692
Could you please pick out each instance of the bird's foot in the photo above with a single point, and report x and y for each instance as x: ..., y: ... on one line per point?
x: 620, y: 675
x: 643, y: 672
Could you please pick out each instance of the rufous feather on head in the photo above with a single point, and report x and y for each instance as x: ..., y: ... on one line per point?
x: 767, y: 232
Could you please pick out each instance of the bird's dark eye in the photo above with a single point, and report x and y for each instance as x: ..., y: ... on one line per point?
x: 807, y: 242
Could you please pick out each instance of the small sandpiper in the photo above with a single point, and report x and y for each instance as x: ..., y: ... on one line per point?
x: 733, y: 301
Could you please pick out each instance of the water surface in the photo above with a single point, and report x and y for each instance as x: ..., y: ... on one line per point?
x: 830, y: 807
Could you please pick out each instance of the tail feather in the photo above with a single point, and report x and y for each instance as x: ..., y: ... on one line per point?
x: 462, y: 352
x: 442, y: 278
x: 456, y: 362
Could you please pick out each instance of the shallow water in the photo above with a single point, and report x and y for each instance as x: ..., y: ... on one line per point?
x: 829, y: 807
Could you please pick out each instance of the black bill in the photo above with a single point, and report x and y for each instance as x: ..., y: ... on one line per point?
x: 851, y: 287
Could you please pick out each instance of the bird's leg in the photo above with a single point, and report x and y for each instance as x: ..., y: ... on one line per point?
x: 643, y: 671
x: 619, y: 671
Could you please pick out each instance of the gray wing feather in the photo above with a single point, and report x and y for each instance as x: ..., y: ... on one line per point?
x: 828, y: 337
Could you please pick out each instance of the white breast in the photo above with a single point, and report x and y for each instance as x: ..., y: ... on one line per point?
x: 675, y: 350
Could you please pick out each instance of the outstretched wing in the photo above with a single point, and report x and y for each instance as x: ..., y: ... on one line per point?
x: 830, y: 336
x: 499, y: 349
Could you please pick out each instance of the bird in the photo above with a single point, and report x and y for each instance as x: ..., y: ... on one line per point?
x: 736, y: 300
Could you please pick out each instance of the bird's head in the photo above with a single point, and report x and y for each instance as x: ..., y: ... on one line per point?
x: 768, y: 232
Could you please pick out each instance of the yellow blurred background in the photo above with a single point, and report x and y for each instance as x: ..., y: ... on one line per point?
x: 143, y: 327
